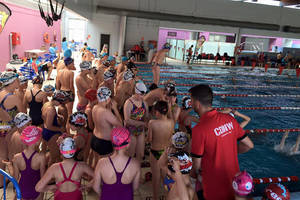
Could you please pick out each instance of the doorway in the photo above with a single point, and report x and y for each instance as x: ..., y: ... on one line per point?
x: 104, y: 39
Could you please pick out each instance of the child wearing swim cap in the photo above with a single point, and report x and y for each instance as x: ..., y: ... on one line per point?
x: 78, y: 123
x: 160, y: 131
x: 119, y: 172
x: 242, y: 185
x: 185, y: 119
x: 21, y: 121
x: 67, y: 174
x: 179, y: 167
x: 29, y: 165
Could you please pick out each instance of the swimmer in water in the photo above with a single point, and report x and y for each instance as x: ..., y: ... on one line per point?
x: 294, y: 149
x: 158, y: 61
x: 160, y: 131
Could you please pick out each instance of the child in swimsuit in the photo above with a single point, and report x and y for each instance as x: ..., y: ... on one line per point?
x: 29, y: 166
x: 135, y: 119
x: 160, y: 131
x: 67, y: 174
x: 78, y: 122
x: 185, y: 119
x: 118, y: 176
x: 21, y: 121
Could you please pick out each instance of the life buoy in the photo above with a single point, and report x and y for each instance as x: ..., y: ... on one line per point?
x: 46, y: 38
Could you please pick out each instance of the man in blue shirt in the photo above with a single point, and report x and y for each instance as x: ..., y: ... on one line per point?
x: 53, y: 50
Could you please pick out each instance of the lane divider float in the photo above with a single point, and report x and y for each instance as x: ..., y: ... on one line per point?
x: 282, y: 179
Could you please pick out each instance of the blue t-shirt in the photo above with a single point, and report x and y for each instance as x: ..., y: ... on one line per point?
x: 64, y: 45
x: 52, y: 51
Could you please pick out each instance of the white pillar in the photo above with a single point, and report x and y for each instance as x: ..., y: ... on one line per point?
x: 122, y: 34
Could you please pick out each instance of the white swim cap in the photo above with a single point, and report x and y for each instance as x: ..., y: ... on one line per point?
x: 140, y: 88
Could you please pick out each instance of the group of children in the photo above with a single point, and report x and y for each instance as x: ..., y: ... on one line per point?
x: 53, y: 148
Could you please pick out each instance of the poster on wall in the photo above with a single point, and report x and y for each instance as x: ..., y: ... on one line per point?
x: 5, y: 13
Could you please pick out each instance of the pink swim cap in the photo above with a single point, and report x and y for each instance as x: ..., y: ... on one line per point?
x: 30, y: 135
x: 242, y: 183
x: 120, y: 138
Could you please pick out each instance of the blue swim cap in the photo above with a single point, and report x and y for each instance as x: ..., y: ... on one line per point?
x: 111, y: 58
x: 151, y: 46
x: 124, y: 58
x: 88, y: 48
x: 68, y: 53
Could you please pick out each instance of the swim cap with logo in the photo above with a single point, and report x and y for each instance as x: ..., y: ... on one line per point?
x: 30, y: 135
x: 140, y: 88
x: 242, y: 183
x: 103, y: 94
x: 120, y: 138
x: 68, y: 147
x: 21, y: 119
x: 37, y: 80
x: 124, y: 59
x: 185, y: 162
x: 78, y: 119
x: 186, y: 103
x: 108, y: 74
x: 8, y: 77
x: 180, y: 140
x: 276, y: 192
x: 128, y: 75
x: 85, y: 65
x: 68, y: 61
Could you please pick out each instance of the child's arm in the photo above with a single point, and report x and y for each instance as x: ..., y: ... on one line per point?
x: 42, y: 164
x: 97, y: 178
x: 136, y: 180
x: 42, y: 185
x: 180, y: 185
x: 16, y: 171
x: 149, y: 136
x: 244, y: 117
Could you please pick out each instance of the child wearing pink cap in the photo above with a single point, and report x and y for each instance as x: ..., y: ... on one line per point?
x: 29, y: 166
x: 124, y: 170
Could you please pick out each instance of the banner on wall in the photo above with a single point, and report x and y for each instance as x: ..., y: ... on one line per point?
x: 201, y: 41
x: 5, y: 13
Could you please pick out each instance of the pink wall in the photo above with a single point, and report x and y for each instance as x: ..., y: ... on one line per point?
x: 163, y: 35
x: 31, y: 27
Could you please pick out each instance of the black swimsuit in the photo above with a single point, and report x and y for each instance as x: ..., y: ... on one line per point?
x: 35, y: 110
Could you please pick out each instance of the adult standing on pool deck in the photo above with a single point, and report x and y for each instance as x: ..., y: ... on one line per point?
x: 158, y: 60
x: 190, y: 53
x: 214, y: 146
x: 54, y: 58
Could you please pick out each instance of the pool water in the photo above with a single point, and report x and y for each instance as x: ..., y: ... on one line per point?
x: 263, y: 160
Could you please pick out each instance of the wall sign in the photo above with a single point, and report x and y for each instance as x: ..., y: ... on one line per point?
x: 173, y: 34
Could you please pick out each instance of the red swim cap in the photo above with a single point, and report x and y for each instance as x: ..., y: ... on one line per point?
x: 277, y: 192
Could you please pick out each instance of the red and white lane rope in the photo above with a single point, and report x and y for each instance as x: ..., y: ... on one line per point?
x: 260, y: 108
x: 217, y: 79
x: 235, y: 86
x: 251, y: 95
x: 282, y: 179
x: 273, y: 130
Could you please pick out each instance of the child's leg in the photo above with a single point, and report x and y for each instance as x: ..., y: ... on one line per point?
x: 132, y: 145
x: 140, y: 146
x: 3, y: 156
x: 155, y: 176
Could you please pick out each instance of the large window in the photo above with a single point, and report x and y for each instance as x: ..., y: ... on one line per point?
x: 77, y: 29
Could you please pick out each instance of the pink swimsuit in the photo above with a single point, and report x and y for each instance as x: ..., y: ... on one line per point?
x: 75, y: 195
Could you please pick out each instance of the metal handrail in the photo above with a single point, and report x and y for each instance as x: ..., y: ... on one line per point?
x: 14, y: 181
